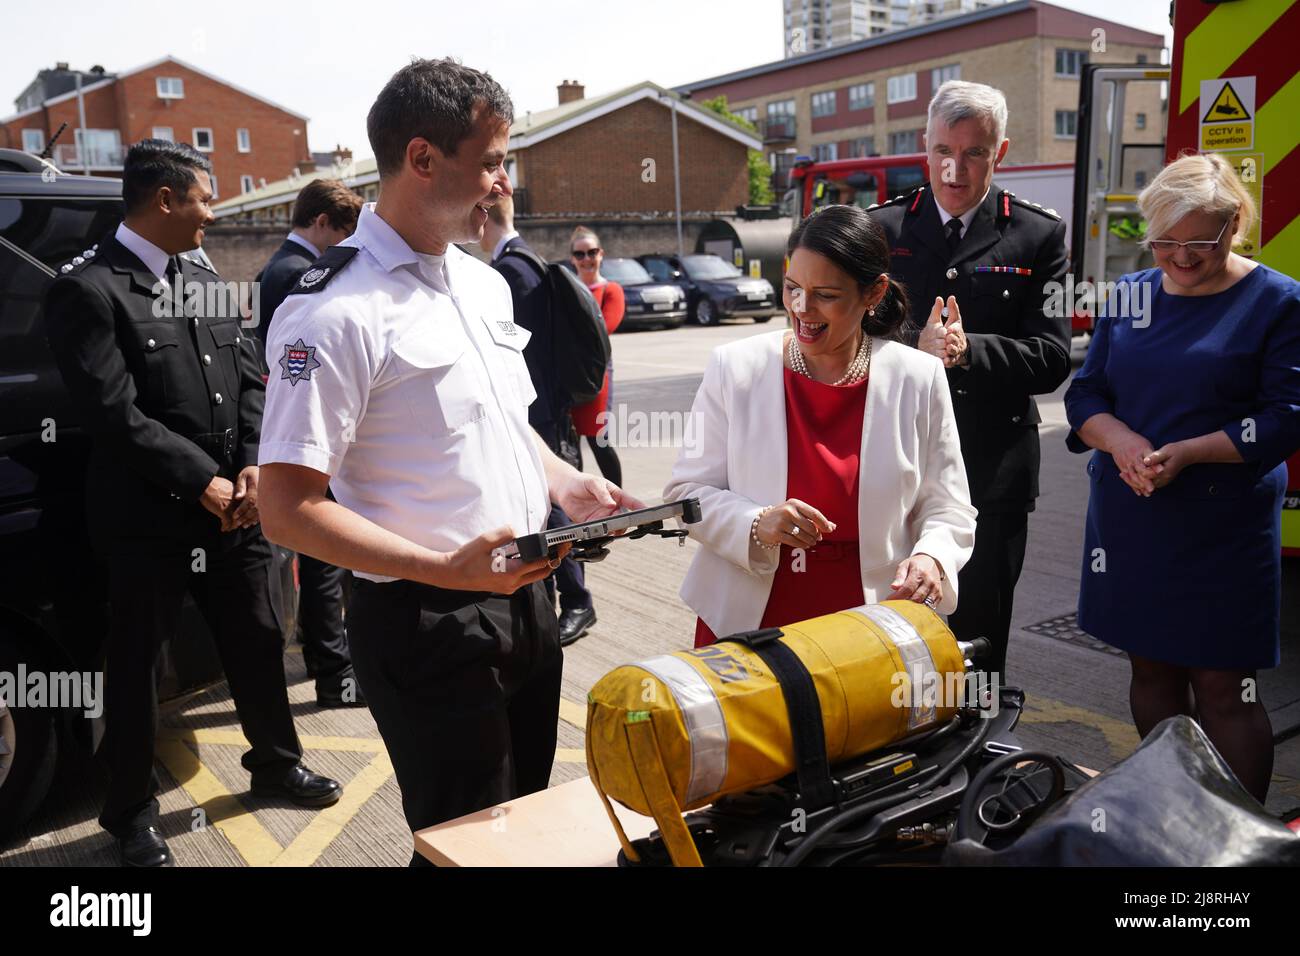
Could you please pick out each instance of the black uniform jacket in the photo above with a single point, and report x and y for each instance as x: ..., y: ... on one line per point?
x: 1000, y: 274
x: 170, y: 390
x: 277, y: 279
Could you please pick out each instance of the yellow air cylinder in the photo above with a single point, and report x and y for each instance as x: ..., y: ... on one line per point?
x: 676, y: 732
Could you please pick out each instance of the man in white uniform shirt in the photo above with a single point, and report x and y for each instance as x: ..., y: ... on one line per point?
x: 398, y: 381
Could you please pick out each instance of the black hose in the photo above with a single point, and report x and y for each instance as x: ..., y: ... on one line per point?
x: 872, y: 807
x: 966, y: 814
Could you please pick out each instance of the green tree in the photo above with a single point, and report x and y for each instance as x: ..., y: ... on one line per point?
x: 760, y: 170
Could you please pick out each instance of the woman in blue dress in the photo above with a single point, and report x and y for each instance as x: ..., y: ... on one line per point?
x: 1190, y: 396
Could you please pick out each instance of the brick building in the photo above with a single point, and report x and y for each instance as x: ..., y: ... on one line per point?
x: 870, y: 97
x: 613, y: 155
x: 248, y: 139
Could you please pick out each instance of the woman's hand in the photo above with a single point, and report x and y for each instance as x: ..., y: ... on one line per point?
x: 1168, y: 461
x: 918, y: 579
x: 793, y: 523
x: 1130, y: 451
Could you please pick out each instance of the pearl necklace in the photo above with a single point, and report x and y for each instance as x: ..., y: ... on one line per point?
x: 856, y: 371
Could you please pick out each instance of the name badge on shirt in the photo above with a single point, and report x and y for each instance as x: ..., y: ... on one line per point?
x: 507, y: 333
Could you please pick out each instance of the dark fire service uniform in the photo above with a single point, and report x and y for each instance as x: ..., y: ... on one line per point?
x: 997, y: 272
x: 172, y: 398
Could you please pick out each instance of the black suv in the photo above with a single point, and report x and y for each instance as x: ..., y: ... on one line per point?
x: 53, y: 589
x: 715, y: 289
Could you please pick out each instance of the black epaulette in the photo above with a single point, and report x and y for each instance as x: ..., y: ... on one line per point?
x: 199, y: 260
x: 323, y: 270
x: 80, y: 260
x: 1026, y: 204
x: 913, y: 200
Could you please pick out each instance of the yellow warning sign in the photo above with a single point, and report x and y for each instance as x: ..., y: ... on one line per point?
x: 1226, y: 107
x: 1250, y: 169
x: 1228, y: 122
x: 756, y: 268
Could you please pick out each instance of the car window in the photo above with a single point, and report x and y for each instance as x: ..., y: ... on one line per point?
x: 36, y: 233
x: 625, y: 271
x: 659, y: 269
x: 709, y: 267
x: 902, y: 179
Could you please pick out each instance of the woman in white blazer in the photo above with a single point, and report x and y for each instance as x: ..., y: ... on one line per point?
x: 826, y: 459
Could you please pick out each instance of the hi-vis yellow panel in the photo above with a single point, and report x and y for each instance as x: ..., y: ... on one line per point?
x: 675, y: 732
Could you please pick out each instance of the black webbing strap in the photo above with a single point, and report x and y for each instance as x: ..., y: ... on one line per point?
x: 805, y: 712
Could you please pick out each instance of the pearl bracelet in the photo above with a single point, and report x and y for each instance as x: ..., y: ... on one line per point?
x: 753, y: 530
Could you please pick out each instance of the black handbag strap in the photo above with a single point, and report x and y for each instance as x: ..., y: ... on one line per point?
x: 805, y: 711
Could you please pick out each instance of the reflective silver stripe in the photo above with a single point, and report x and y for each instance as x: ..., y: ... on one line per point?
x: 702, y: 714
x: 919, y: 663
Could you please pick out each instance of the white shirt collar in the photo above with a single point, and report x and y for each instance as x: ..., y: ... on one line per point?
x: 966, y: 217
x: 391, y: 251
x: 154, y: 259
x: 305, y: 244
x: 501, y: 245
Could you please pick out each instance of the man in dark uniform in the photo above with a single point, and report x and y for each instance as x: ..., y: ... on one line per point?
x: 977, y: 263
x: 149, y: 345
x: 324, y: 214
x: 549, y: 414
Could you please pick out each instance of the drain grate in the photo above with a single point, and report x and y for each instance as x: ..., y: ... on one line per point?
x: 1066, y: 628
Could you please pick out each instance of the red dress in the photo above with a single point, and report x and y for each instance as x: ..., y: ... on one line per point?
x: 609, y: 296
x: 823, y: 426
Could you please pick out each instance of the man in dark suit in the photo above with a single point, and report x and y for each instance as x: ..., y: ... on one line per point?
x: 977, y: 263
x: 324, y: 214
x: 149, y: 345
x: 549, y: 413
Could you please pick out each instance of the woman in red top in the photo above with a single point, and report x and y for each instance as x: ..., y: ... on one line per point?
x: 586, y: 257
x: 850, y: 432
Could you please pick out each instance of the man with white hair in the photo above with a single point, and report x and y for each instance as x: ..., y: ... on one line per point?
x: 975, y: 260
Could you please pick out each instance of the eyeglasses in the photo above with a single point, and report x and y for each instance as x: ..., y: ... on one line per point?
x: 581, y: 254
x: 1196, y: 245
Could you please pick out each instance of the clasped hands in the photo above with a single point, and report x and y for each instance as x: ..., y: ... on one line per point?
x: 945, y: 340
x: 233, y: 503
x: 1145, y: 470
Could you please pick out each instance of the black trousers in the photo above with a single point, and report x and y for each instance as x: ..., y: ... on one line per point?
x: 320, y: 607
x: 987, y: 584
x: 146, y: 592
x: 465, y: 690
x: 570, y: 578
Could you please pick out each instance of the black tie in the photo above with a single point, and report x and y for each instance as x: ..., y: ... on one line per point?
x: 954, y: 234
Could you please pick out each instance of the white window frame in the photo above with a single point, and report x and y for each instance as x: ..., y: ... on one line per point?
x: 157, y: 133
x: 901, y: 88
x: 916, y: 137
x: 824, y: 97
x: 1079, y: 57
x: 243, y: 140
x: 825, y: 152
x: 213, y: 178
x: 246, y: 184
x: 868, y: 94
x: 170, y: 87
x: 1057, y: 124
x: 194, y: 138
x: 858, y: 146
x: 27, y: 138
x: 782, y: 114
x: 942, y: 74
x: 1140, y: 121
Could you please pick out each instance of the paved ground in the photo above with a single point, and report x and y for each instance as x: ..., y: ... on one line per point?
x: 1077, y: 694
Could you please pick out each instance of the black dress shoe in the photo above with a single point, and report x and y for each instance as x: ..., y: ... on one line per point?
x: 340, y: 691
x: 301, y: 786
x: 574, y: 623
x: 144, y: 847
